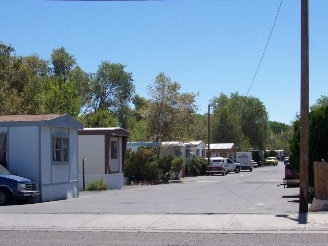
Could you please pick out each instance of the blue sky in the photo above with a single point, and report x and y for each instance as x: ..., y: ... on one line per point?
x: 208, y: 46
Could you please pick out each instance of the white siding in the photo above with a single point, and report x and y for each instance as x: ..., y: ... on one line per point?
x: 23, y: 151
x: 45, y: 155
x: 60, y: 173
x: 59, y: 192
x: 73, y: 148
x: 59, y: 181
x: 91, y: 147
x: 3, y: 129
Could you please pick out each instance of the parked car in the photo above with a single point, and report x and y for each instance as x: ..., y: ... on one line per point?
x: 228, y: 163
x: 292, y: 179
x: 271, y: 161
x: 13, y: 187
x: 255, y: 164
x: 286, y: 160
x: 216, y: 168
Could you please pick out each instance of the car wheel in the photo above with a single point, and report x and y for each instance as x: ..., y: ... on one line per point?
x: 208, y: 174
x: 5, y: 197
x: 251, y: 169
x: 237, y: 170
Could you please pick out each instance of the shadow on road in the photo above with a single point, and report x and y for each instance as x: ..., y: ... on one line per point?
x: 302, y: 217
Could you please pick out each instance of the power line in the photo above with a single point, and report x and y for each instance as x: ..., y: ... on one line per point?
x: 265, y: 47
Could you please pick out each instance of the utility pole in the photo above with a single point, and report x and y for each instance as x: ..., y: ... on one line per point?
x: 304, y: 121
x: 208, y: 134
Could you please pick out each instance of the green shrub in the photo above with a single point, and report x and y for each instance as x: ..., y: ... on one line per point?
x: 142, y: 165
x: 165, y: 163
x: 97, y: 184
x: 150, y: 171
x: 197, y: 166
x: 177, y: 165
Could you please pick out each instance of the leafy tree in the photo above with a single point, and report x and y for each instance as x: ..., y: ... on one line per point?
x: 318, y: 130
x: 170, y: 114
x: 199, y: 128
x: 60, y: 98
x: 33, y: 100
x: 139, y: 104
x: 240, y: 120
x: 82, y: 82
x: 137, y: 129
x: 37, y: 66
x: 112, y: 88
x: 10, y: 102
x: 102, y: 118
x: 322, y: 101
x: 62, y: 63
x: 278, y: 127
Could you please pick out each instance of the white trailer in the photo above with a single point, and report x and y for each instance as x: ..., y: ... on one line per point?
x: 245, y: 160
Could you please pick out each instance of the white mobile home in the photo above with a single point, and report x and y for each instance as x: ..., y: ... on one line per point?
x: 42, y: 148
x: 103, y: 151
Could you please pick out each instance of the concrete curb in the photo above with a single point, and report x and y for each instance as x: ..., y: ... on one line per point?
x: 214, y: 223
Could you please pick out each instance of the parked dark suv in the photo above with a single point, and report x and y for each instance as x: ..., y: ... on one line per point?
x: 13, y: 187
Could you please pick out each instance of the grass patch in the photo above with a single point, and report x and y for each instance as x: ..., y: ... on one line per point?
x: 96, y: 184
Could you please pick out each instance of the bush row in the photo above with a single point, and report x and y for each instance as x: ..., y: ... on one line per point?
x: 145, y: 165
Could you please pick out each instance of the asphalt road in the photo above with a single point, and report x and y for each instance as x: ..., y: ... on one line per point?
x: 246, y: 192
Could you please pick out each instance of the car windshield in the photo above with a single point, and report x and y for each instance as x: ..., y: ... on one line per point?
x: 3, y: 170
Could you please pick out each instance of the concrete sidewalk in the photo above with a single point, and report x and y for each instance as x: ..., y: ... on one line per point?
x: 214, y: 223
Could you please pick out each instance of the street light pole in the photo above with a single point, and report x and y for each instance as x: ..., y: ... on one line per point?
x: 208, y: 135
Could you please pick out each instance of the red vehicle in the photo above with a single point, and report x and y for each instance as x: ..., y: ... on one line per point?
x: 216, y: 166
x: 292, y: 179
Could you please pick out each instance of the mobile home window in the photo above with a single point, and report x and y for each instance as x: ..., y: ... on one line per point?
x: 60, y: 151
x: 113, y: 149
x: 3, y: 149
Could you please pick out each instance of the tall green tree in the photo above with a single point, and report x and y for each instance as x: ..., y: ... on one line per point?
x: 60, y: 98
x: 62, y: 63
x: 240, y: 120
x: 112, y: 88
x: 318, y: 132
x: 278, y: 127
x: 322, y: 101
x: 136, y: 125
x: 82, y: 82
x: 170, y: 114
x: 100, y: 118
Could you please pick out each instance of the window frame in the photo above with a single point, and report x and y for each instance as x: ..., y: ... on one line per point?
x: 62, y: 149
x: 177, y: 152
x: 113, y: 149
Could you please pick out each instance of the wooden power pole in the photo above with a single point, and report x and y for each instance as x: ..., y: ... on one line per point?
x: 208, y: 134
x: 304, y: 121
